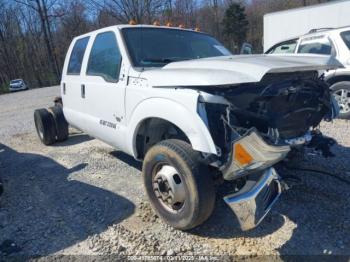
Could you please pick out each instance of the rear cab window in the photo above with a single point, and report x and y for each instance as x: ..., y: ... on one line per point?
x: 346, y: 38
x: 77, y: 55
x: 316, y: 45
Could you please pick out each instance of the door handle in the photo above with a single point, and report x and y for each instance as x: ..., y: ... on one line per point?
x: 83, y: 91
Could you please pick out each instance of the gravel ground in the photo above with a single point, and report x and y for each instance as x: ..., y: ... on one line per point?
x: 84, y: 197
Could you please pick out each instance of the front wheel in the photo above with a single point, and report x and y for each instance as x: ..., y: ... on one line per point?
x: 178, y: 185
x: 341, y: 92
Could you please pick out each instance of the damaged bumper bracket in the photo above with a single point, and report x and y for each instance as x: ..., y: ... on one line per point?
x: 253, y: 202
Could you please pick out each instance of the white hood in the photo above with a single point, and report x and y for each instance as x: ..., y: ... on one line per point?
x: 228, y: 70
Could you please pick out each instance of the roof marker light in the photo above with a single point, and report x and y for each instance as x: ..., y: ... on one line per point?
x: 132, y: 22
x: 156, y: 23
x: 169, y: 24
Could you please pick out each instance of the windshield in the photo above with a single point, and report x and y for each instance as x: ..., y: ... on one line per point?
x: 284, y: 47
x: 15, y: 81
x: 156, y: 47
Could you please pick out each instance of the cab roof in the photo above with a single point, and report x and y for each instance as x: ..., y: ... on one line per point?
x: 119, y: 27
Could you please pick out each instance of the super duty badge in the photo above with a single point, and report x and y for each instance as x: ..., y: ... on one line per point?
x: 108, y: 124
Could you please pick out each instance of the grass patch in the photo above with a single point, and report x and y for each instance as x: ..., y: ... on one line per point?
x: 4, y: 88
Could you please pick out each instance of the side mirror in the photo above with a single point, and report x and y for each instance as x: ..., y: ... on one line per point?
x: 246, y: 49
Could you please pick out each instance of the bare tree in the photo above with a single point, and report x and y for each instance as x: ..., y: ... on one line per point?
x: 142, y: 11
x: 35, y: 34
x: 42, y: 7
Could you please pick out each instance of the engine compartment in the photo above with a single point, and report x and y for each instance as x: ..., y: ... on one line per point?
x: 281, y: 107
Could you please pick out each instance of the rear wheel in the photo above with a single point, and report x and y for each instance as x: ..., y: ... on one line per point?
x: 61, y: 124
x: 179, y: 186
x: 341, y: 92
x: 45, y: 126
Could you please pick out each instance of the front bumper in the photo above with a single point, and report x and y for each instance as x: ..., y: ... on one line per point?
x: 253, y: 202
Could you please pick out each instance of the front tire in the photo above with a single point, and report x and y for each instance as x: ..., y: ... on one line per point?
x: 341, y: 92
x: 178, y: 185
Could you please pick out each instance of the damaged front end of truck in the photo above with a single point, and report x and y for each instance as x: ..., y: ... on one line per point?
x: 259, y: 110
x: 256, y: 125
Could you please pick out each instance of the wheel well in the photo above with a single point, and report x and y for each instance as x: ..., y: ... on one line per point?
x: 153, y: 130
x: 339, y: 78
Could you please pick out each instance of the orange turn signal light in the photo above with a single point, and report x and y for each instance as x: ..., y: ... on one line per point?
x: 241, y: 155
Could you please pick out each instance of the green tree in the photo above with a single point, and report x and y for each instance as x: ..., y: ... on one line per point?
x: 235, y: 26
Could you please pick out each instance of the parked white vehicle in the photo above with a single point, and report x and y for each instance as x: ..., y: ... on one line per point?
x: 17, y: 85
x: 289, y: 23
x: 177, y: 100
x: 334, y: 42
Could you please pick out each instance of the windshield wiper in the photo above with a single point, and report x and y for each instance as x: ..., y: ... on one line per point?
x: 165, y: 60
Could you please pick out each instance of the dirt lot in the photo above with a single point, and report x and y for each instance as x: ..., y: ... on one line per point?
x: 84, y: 197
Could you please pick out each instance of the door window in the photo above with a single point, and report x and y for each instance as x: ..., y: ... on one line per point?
x: 105, y: 58
x: 77, y: 55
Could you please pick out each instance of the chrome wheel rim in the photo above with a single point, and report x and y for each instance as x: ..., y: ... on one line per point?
x: 342, y: 96
x: 169, y: 188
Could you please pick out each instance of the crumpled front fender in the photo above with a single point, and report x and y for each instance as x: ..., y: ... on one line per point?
x: 186, y: 119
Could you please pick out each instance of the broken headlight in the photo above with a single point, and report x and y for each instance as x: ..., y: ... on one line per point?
x: 251, y: 153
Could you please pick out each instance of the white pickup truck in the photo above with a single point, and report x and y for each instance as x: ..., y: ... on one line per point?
x: 177, y: 100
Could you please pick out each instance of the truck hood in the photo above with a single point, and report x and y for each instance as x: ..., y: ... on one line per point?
x: 229, y: 70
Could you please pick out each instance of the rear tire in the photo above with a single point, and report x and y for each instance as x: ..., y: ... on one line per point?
x: 341, y: 92
x: 190, y: 184
x: 61, y: 124
x: 45, y: 126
